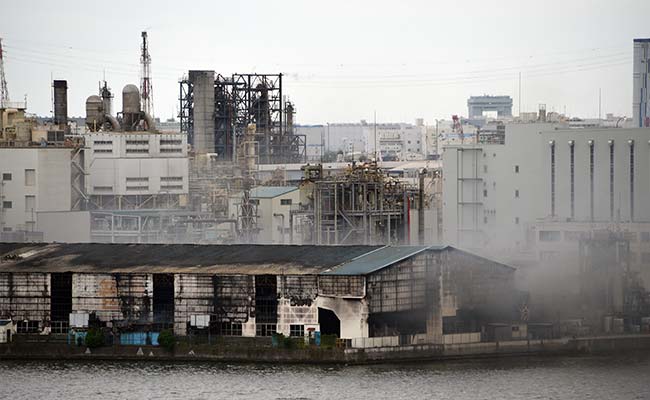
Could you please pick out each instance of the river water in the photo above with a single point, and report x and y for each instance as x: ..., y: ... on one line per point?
x: 587, y: 377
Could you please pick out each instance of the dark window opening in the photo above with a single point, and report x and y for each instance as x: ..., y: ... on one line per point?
x: 266, y: 299
x: 296, y: 330
x: 397, y: 323
x: 163, y: 299
x: 265, y: 329
x: 329, y: 322
x: 60, y: 301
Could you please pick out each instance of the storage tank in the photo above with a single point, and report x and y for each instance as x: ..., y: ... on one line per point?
x: 94, y: 113
x: 130, y: 99
x: 130, y: 107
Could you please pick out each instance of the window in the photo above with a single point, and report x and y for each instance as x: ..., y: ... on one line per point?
x: 297, y: 330
x: 105, y: 151
x: 103, y: 142
x: 171, y: 187
x: 6, y: 204
x: 485, y: 169
x: 171, y: 150
x: 144, y: 150
x: 517, y: 193
x: 30, y: 177
x: 30, y: 203
x: 171, y: 179
x: 137, y: 142
x: 516, y: 169
x: 265, y: 329
x: 170, y: 142
x: 517, y: 220
x: 285, y: 202
x: 484, y: 192
x: 645, y: 236
x: 230, y: 329
x: 137, y: 179
x: 27, y: 327
x: 485, y: 220
x: 549, y: 236
x: 6, y: 176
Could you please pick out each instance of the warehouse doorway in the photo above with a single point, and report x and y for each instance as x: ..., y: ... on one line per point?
x: 163, y: 299
x: 330, y: 324
x: 60, y: 301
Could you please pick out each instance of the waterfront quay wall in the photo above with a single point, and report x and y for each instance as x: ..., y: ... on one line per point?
x: 263, y: 352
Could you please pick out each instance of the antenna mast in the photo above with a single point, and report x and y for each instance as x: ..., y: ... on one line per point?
x: 146, y: 89
x: 4, y: 92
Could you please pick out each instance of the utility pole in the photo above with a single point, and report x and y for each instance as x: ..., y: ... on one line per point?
x: 519, y: 106
x: 146, y: 88
x: 4, y: 92
x: 375, y: 135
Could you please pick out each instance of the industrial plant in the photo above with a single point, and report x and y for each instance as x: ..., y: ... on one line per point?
x: 241, y: 222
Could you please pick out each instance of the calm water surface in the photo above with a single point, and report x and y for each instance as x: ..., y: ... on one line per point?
x: 522, y: 378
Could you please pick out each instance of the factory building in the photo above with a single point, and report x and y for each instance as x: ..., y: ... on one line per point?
x: 414, y: 293
x: 544, y: 186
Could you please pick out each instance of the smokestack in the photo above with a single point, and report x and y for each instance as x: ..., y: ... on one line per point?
x: 60, y: 102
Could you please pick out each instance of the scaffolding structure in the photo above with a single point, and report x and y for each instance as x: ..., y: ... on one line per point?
x: 240, y: 100
x: 362, y: 206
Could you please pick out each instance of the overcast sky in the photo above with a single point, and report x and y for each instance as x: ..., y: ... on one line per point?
x: 343, y: 60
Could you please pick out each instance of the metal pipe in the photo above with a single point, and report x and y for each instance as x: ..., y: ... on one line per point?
x: 151, y: 125
x: 114, y: 123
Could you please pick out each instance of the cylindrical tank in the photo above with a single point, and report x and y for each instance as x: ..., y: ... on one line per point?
x: 130, y: 100
x: 94, y: 112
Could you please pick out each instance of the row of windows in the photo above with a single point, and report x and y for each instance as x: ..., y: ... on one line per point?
x: 30, y: 203
x: 30, y: 177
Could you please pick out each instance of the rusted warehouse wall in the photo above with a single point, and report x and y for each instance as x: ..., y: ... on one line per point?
x: 193, y: 295
x: 296, y: 305
x: 25, y: 296
x: 96, y: 293
x: 135, y: 292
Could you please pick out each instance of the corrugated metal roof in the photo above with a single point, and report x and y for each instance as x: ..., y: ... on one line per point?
x: 378, y: 259
x: 170, y: 258
x: 269, y: 192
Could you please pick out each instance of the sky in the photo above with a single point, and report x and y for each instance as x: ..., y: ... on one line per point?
x: 342, y: 60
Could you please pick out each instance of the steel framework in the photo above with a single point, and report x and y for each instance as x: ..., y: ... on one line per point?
x: 240, y: 100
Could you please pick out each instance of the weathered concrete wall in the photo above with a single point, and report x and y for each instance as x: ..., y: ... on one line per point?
x: 353, y: 314
x: 25, y: 296
x: 193, y: 295
x: 296, y: 304
x: 96, y: 293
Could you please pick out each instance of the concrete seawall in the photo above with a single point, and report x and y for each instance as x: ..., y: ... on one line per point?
x: 185, y: 352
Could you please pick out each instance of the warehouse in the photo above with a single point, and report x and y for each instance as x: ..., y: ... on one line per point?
x: 255, y: 290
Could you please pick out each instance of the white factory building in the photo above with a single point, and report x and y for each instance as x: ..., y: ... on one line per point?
x: 33, y: 180
x: 547, y: 186
x: 130, y: 168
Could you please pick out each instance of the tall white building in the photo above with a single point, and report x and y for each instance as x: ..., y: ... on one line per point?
x: 547, y: 186
x: 33, y: 180
x: 641, y: 77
